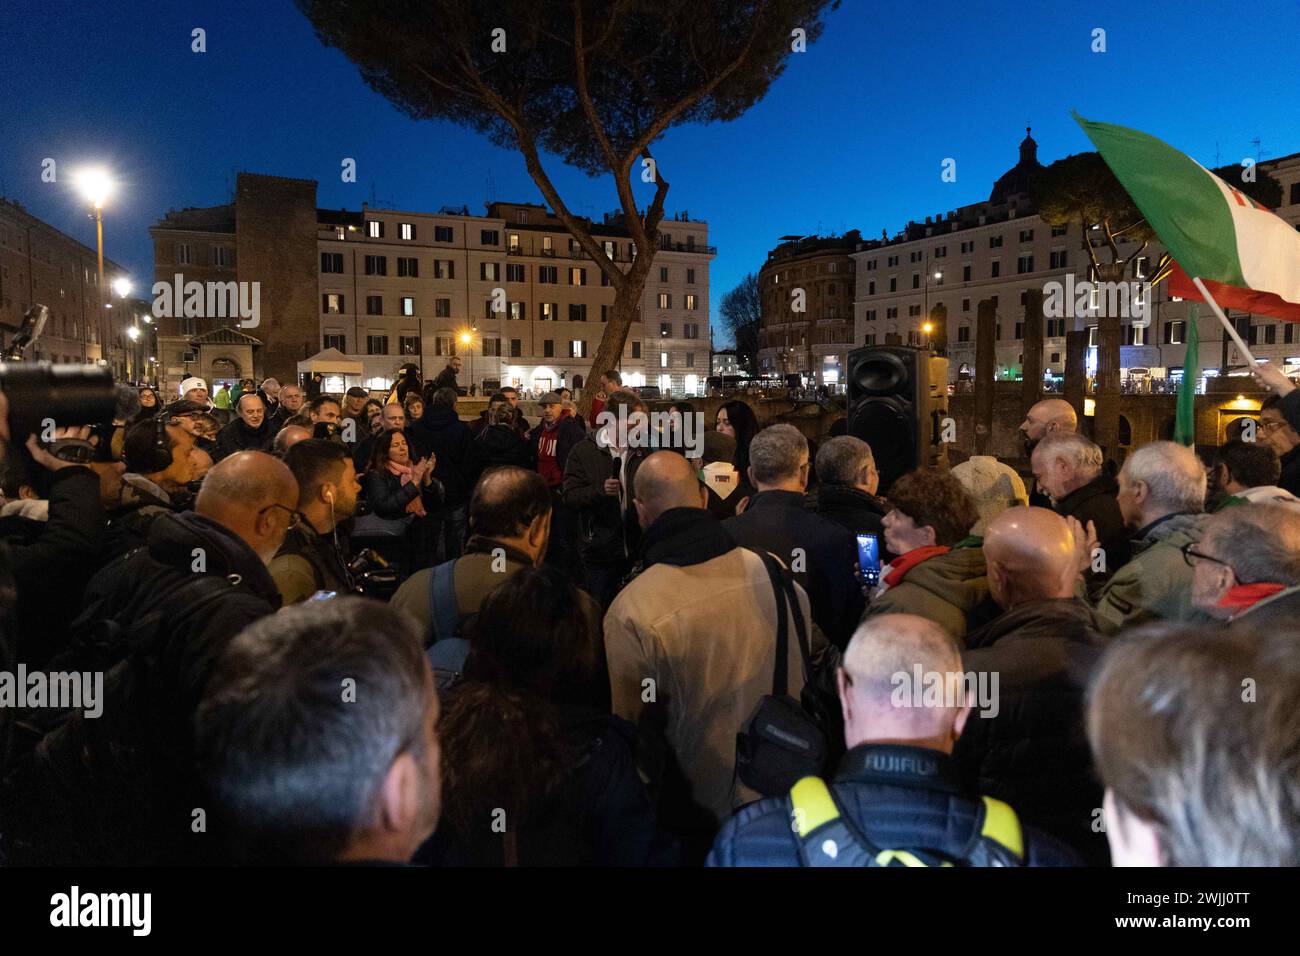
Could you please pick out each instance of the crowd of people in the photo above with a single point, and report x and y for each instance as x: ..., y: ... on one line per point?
x: 338, y: 629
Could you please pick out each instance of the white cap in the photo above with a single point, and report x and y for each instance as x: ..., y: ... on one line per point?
x: 190, y: 383
x: 994, y: 486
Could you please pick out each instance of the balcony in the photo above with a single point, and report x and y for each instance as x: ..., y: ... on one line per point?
x: 686, y: 247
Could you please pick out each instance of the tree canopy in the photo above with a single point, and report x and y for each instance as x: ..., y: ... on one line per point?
x: 741, y: 311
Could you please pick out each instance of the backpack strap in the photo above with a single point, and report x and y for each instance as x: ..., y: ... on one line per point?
x: 443, y: 613
x: 780, y: 670
x: 826, y: 838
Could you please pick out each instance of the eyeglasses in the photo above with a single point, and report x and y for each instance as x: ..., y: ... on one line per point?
x: 295, y: 516
x: 1189, y: 552
x: 1270, y: 424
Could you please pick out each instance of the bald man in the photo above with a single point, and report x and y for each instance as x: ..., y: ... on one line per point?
x: 897, y: 782
x: 1043, y: 418
x: 177, y: 602
x: 699, y: 625
x: 289, y: 436
x: 1030, y: 749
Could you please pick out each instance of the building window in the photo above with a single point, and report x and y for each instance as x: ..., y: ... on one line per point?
x: 331, y: 262
x: 489, y: 237
x: 516, y: 348
x: 995, y: 242
x: 489, y: 271
x: 492, y: 348
x: 548, y: 275
x: 665, y: 330
x: 375, y: 306
x: 376, y: 344
x: 375, y: 229
x: 663, y: 273
x: 183, y: 253
x: 332, y: 303
x: 871, y: 287
x: 488, y: 311
x: 963, y: 333
x: 336, y: 340
x: 408, y: 305
x: 577, y: 348
x: 1058, y: 231
x: 548, y: 311
x: 965, y: 273
x: 692, y: 302
x: 219, y: 257
x: 518, y: 310
x: 995, y: 269
x: 444, y: 345
x: 1058, y: 259
x: 665, y: 300
x: 410, y: 344
x: 690, y: 360
x: 663, y: 360
x: 691, y: 330
x: 611, y: 250
x: 871, y: 315
x: 577, y: 312
x: 636, y: 350
x: 1140, y: 267
x: 916, y: 280
x: 408, y: 267
x: 444, y: 269
x: 965, y: 305
x: 577, y: 276
x: 340, y: 233
x: 443, y: 234
x: 690, y: 277
x: 516, y: 272
x: 893, y: 283
x: 406, y: 230
x: 913, y: 311
x: 548, y: 246
x: 548, y: 348
x: 1055, y: 328
x: 1020, y: 330
x: 376, y: 265
x: 442, y: 308
x: 1026, y: 235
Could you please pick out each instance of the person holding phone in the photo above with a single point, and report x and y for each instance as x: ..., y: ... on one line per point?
x: 847, y: 482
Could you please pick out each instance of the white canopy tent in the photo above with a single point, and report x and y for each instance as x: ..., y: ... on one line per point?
x: 338, y: 372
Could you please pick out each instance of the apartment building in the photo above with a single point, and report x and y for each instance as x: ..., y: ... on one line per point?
x: 41, y: 265
x: 510, y: 292
x: 999, y: 249
x: 807, y: 295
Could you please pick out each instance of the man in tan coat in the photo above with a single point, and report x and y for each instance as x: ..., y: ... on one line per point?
x: 691, y: 640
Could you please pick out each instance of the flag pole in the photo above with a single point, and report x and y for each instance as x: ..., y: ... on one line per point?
x: 1223, y: 319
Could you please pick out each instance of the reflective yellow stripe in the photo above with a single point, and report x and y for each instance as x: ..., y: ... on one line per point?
x: 812, y: 804
x: 1002, y: 826
x: 885, y: 857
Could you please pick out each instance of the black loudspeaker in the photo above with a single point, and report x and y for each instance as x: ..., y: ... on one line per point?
x: 898, y: 396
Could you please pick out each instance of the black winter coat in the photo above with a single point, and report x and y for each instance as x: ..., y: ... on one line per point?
x: 237, y: 437
x: 605, y: 535
x: 502, y: 444
x: 387, y: 497
x: 120, y: 789
x: 459, y: 460
x: 855, y: 511
x: 1034, y: 752
x: 1096, y: 502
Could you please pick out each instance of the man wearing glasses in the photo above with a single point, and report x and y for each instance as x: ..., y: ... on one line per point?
x: 1278, y: 434
x: 1247, y: 563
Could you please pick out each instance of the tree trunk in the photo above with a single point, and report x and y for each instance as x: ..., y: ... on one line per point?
x: 609, y: 353
x: 986, y: 361
x: 1032, y: 364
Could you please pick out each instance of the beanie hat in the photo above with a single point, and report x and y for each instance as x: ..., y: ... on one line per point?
x: 994, y: 486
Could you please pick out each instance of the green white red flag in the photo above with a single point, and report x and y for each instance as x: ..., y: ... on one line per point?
x: 1247, y: 257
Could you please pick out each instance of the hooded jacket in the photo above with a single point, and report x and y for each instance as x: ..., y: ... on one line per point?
x: 120, y: 789
x: 1026, y: 745
x: 1156, y: 584
x: 951, y: 589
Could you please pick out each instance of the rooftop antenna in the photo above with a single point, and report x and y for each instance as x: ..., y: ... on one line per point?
x: 1259, y: 153
x: 379, y: 203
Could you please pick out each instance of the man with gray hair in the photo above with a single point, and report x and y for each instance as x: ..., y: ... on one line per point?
x: 822, y: 554
x: 847, y: 481
x: 1247, y: 565
x: 1068, y: 468
x: 1161, y: 495
x: 1196, y: 772
x: 898, y: 781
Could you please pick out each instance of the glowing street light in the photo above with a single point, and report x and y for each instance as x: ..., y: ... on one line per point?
x: 122, y: 286
x: 133, y: 333
x: 96, y: 186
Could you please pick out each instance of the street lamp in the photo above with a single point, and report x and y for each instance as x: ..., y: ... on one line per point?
x: 95, y: 186
x: 466, y: 339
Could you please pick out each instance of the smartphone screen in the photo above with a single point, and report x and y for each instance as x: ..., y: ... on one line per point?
x: 869, y: 558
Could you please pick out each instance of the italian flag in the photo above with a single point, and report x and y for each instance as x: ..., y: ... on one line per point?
x: 1247, y: 257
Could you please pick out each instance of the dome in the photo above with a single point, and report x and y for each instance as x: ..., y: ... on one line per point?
x: 1017, y: 180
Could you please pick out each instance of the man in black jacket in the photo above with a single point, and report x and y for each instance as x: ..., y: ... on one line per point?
x: 120, y: 789
x: 847, y: 481
x: 313, y: 557
x: 1026, y: 744
x: 897, y: 783
x: 822, y: 554
x: 598, y: 484
x: 1068, y: 467
x: 249, y: 430
x: 458, y: 464
x: 447, y: 377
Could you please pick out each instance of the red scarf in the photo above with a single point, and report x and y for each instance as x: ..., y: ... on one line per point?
x: 1245, y: 596
x: 416, y: 505
x: 899, y: 567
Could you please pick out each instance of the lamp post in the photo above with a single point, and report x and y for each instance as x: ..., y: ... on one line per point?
x: 95, y: 186
x: 467, y: 340
x: 122, y: 286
